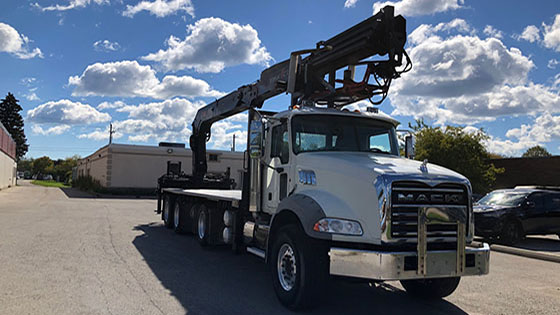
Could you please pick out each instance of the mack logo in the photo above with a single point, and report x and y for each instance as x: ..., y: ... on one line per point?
x: 435, y: 198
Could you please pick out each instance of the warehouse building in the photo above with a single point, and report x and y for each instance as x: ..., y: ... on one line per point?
x: 8, y: 166
x: 137, y: 167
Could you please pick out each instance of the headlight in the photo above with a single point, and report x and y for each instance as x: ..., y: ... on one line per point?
x: 307, y: 177
x: 338, y: 226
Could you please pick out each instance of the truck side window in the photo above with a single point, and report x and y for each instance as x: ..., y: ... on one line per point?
x: 280, y: 145
x: 552, y: 202
x: 537, y: 198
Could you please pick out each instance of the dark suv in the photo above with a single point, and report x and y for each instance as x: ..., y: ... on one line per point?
x: 510, y: 214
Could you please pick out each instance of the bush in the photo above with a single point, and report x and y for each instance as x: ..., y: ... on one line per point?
x: 87, y: 183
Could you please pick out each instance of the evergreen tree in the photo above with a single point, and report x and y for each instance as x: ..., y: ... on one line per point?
x: 536, y: 151
x: 12, y: 120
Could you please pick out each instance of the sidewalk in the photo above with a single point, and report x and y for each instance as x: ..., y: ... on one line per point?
x: 543, y: 247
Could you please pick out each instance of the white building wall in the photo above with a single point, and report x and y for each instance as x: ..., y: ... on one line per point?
x: 136, y: 166
x: 8, y: 171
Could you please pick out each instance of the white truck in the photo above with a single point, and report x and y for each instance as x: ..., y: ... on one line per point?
x: 326, y: 190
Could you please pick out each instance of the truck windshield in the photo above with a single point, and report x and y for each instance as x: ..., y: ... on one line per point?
x: 311, y: 133
x: 502, y: 198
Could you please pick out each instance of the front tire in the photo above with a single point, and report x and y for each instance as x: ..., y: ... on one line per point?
x: 431, y: 288
x: 167, y: 214
x: 299, y: 268
x: 512, y: 233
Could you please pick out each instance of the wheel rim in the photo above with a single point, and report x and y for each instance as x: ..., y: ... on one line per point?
x: 286, y: 267
x: 176, y: 216
x: 166, y: 212
x: 202, y: 225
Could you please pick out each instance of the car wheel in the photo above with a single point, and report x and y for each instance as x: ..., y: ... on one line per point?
x: 167, y: 212
x: 299, y: 268
x: 511, y: 233
x: 431, y: 288
x: 203, y: 227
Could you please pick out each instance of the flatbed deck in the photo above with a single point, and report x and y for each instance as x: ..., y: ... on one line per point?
x: 211, y: 194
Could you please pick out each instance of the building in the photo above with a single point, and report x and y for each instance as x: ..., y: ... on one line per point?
x: 137, y: 167
x: 528, y: 171
x: 8, y: 165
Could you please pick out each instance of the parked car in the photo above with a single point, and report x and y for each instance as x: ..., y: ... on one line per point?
x: 510, y: 214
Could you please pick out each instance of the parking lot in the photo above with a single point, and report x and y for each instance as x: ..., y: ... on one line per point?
x: 66, y: 252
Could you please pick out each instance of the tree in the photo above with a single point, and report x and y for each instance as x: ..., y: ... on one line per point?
x: 42, y: 165
x: 12, y: 120
x: 536, y: 151
x: 458, y: 150
x: 25, y: 165
x: 63, y: 168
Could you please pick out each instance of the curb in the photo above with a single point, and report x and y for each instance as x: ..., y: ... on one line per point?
x: 525, y: 253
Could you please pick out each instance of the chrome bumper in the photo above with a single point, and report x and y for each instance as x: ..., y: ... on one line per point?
x: 380, y: 265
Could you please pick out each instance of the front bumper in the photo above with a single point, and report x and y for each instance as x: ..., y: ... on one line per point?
x: 381, y: 265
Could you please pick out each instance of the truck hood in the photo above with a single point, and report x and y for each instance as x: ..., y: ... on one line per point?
x: 378, y: 164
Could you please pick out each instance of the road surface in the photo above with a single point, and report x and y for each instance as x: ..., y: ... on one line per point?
x: 63, y: 252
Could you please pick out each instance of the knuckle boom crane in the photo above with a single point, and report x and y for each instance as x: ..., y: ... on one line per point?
x: 325, y: 191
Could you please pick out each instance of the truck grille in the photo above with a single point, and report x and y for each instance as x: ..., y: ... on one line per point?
x: 408, y: 197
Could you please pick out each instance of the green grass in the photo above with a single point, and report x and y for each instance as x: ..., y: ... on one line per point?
x: 50, y: 183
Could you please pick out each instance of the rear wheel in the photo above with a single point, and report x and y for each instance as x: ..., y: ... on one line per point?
x: 512, y: 233
x: 299, y: 268
x: 431, y: 288
x: 203, y: 227
x: 167, y: 211
x: 178, y: 219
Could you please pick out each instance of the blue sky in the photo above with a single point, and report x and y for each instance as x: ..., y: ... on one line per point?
x: 146, y: 66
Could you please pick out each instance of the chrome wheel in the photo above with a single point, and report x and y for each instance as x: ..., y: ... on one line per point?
x: 176, y: 216
x: 286, y: 267
x: 202, y: 224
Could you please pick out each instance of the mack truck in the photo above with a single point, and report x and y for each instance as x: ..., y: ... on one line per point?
x: 325, y: 190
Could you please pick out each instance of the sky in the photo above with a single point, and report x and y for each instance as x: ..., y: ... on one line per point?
x: 146, y: 66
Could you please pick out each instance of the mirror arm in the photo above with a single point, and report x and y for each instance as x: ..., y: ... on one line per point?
x: 277, y: 169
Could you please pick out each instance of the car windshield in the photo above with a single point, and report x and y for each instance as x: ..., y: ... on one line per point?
x: 502, y: 198
x: 342, y: 133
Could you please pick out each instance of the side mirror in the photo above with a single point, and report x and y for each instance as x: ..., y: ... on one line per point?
x: 409, y: 146
x: 256, y: 139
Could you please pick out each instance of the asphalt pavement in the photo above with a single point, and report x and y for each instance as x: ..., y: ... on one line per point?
x: 65, y: 252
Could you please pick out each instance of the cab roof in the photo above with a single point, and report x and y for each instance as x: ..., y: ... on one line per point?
x: 331, y: 111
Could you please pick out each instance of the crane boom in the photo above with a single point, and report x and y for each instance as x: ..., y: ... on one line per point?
x: 304, y: 78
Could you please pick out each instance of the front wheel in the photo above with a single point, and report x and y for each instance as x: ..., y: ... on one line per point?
x: 299, y: 268
x: 431, y: 288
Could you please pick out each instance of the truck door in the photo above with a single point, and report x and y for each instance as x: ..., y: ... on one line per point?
x: 275, y: 181
x: 552, y: 212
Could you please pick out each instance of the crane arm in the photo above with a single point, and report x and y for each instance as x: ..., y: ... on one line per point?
x: 382, y: 34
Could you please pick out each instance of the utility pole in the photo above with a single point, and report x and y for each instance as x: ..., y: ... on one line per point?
x: 111, y: 132
x: 233, y: 145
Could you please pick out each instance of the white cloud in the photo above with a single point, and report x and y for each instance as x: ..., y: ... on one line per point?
x: 16, y: 44
x: 551, y: 34
x: 56, y: 130
x: 32, y: 96
x: 100, y: 134
x: 28, y: 81
x: 531, y: 34
x: 211, y: 45
x: 106, y: 45
x: 489, y: 30
x: 66, y: 112
x: 72, y: 4
x: 419, y: 7
x: 350, y: 3
x: 552, y: 63
x: 160, y: 8
x: 465, y: 79
x: 110, y: 105
x: 130, y: 79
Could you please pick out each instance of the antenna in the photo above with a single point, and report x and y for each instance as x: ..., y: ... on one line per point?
x: 111, y: 132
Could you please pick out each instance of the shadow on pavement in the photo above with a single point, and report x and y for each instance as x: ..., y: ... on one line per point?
x: 76, y: 193
x: 215, y: 281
